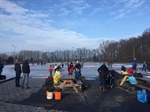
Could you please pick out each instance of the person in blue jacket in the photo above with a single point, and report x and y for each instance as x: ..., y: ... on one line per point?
x: 134, y: 65
x: 77, y: 74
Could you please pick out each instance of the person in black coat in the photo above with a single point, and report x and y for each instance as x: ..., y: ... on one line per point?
x: 1, y: 68
x: 18, y: 71
x: 26, y: 71
x: 78, y: 66
x: 103, y: 71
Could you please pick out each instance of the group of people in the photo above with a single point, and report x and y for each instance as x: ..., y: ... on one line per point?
x: 146, y: 66
x: 76, y: 68
x: 26, y: 71
x: 131, y: 71
x: 72, y: 68
x: 104, y: 72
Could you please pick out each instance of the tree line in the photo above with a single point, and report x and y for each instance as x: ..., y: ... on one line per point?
x: 111, y: 51
x: 127, y: 49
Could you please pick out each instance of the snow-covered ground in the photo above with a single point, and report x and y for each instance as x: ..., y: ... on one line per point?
x: 89, y: 70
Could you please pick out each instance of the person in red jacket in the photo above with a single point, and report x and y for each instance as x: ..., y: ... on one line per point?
x: 70, y: 68
x: 50, y: 70
x: 130, y: 71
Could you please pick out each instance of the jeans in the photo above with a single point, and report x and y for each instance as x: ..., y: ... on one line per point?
x: 25, y: 79
x: 50, y: 73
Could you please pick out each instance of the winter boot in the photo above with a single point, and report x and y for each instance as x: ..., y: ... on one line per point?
x: 104, y: 89
x: 101, y: 88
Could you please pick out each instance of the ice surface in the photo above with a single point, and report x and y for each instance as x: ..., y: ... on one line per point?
x: 89, y: 70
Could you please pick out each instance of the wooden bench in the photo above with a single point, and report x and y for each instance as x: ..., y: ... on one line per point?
x: 141, y: 87
x: 143, y: 79
x: 77, y: 84
x: 143, y: 83
x: 69, y: 81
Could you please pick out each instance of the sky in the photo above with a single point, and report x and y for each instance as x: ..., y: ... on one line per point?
x: 49, y: 25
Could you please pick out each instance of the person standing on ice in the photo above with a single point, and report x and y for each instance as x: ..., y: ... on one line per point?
x: 103, y: 71
x: 1, y: 68
x: 70, y: 68
x: 134, y: 65
x: 50, y: 70
x: 18, y: 71
x: 26, y: 72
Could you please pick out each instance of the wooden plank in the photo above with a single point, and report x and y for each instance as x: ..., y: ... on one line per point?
x: 123, y: 80
x: 74, y: 87
x: 67, y: 83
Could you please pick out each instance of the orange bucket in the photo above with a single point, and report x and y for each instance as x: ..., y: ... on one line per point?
x: 57, y: 95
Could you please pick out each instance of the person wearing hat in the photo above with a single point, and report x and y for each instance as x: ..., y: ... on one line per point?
x: 18, y: 71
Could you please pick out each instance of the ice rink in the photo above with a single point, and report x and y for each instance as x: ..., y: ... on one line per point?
x: 89, y: 69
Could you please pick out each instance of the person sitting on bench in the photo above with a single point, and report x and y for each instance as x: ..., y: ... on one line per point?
x: 128, y: 72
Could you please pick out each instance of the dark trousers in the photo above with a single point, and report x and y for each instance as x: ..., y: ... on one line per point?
x: 144, y: 68
x: 17, y: 81
x: 0, y: 72
x: 102, y: 81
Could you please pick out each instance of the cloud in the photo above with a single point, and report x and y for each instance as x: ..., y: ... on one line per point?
x: 57, y: 24
x: 127, y: 7
x: 12, y: 7
x: 69, y: 7
x: 32, y: 30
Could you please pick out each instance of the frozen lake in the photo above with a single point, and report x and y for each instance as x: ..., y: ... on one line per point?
x: 89, y: 69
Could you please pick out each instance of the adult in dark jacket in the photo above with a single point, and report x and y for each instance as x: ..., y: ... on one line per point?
x: 1, y: 68
x: 26, y: 71
x: 18, y: 71
x: 78, y: 66
x: 103, y: 71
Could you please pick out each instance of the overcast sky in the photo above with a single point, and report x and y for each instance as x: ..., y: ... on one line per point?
x: 48, y: 25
